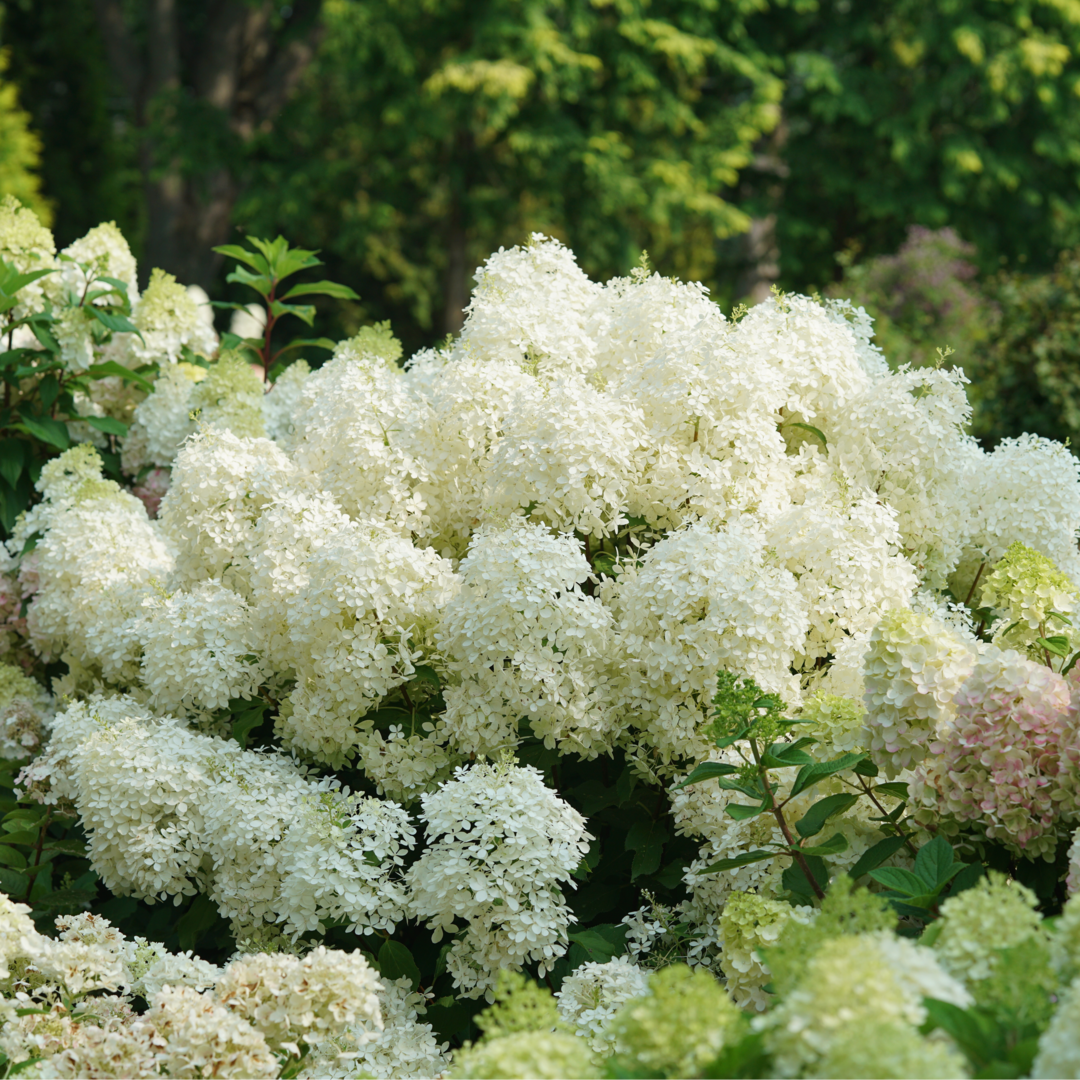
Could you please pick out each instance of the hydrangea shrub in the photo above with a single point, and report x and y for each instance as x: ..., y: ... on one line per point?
x: 615, y: 644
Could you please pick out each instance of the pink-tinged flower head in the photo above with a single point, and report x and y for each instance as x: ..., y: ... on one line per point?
x: 1007, y: 758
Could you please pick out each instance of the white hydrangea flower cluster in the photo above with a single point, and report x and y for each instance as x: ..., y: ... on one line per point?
x: 523, y: 581
x: 246, y: 1020
x: 561, y: 526
x: 913, y: 668
x: 500, y: 844
x: 178, y: 811
x: 857, y: 982
x: 592, y: 994
x: 405, y: 1048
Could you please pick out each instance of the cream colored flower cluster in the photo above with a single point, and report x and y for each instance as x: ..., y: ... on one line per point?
x: 67, y: 1003
x: 560, y: 525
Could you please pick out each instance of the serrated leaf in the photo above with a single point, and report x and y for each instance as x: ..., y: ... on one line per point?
x: 46, y: 429
x: 794, y: 880
x: 396, y: 962
x: 897, y: 789
x: 111, y: 367
x: 709, y: 770
x: 811, y: 774
x: 107, y: 424
x: 935, y: 861
x: 118, y: 324
x: 816, y: 432
x: 305, y: 312
x: 246, y: 722
x: 967, y: 877
x: 602, y: 941
x: 66, y: 846
x: 305, y: 343
x: 254, y: 260
x: 646, y: 840
x: 9, y: 856
x: 1057, y: 644
x: 813, y: 821
x: 873, y: 857
x: 44, y: 335
x: 833, y: 846
x: 12, y: 459
x: 968, y: 1029
x: 899, y: 879
x: 261, y: 283
x: 745, y: 859
x: 29, y: 837
x: 742, y: 812
x: 322, y: 288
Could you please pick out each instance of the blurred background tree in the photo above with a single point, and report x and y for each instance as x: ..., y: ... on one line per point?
x: 742, y: 142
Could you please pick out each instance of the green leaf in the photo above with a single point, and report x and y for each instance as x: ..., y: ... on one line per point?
x: 106, y: 424
x: 967, y: 877
x: 900, y: 880
x: 795, y: 881
x: 865, y: 768
x: 811, y: 774
x: 396, y: 962
x: 247, y: 720
x: 818, y: 434
x: 305, y: 343
x: 322, y: 288
x: 12, y: 459
x: 10, y: 857
x: 27, y: 837
x: 118, y: 324
x: 44, y: 335
x: 895, y: 788
x: 1060, y: 618
x: 742, y: 812
x: 813, y: 821
x: 787, y: 755
x: 745, y: 1057
x: 602, y: 941
x: 196, y: 921
x: 873, y: 857
x: 111, y: 367
x: 13, y: 883
x: 261, y: 283
x: 968, y: 1029
x: 646, y: 840
x: 1057, y: 644
x: 707, y: 771
x: 44, y: 428
x: 306, y: 312
x: 67, y: 846
x: 833, y: 846
x: 255, y: 261
x: 282, y: 259
x: 745, y: 859
x: 1071, y: 664
x: 935, y: 862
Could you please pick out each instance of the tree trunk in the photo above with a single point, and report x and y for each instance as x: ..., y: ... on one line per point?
x: 456, y: 286
x: 761, y: 247
x: 239, y: 68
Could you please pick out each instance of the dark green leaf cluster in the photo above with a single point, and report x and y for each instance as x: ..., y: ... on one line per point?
x: 265, y: 270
